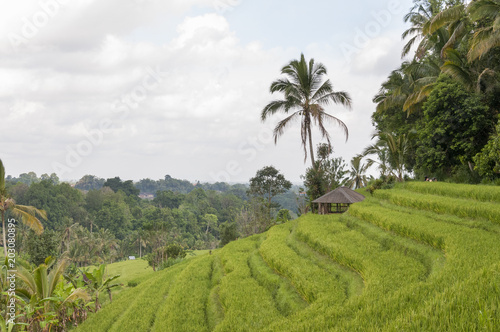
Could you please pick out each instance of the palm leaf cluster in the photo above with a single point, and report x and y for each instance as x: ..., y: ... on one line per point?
x: 452, y: 38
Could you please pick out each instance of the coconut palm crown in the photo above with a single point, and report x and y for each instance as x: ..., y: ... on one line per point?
x: 306, y: 94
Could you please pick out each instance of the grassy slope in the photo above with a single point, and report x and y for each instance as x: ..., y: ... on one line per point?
x: 421, y: 257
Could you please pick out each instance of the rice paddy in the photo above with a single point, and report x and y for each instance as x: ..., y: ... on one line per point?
x: 420, y: 257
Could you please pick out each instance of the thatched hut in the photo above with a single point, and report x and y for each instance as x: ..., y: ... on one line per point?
x: 338, y: 200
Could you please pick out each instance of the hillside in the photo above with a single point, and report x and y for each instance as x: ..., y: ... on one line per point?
x: 420, y: 257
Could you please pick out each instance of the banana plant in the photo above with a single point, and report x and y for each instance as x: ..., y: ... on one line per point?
x: 40, y: 292
x: 97, y: 282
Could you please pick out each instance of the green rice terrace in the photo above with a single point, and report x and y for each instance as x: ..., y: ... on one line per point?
x: 420, y: 257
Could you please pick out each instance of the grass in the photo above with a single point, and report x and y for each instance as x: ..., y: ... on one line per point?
x: 130, y: 270
x: 420, y: 257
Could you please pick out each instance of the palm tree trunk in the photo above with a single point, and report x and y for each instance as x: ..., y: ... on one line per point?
x: 311, y: 149
x: 3, y: 232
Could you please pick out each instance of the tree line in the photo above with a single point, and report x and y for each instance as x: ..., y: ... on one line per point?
x: 109, y: 221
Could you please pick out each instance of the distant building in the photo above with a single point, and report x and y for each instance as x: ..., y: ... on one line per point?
x: 147, y: 196
x: 131, y: 258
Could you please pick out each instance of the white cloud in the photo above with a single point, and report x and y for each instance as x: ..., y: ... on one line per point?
x: 189, y: 107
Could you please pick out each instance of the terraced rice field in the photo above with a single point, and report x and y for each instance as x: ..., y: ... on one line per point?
x: 421, y: 257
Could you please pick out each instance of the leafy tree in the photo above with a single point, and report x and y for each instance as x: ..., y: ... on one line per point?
x: 283, y: 216
x: 455, y: 127
x: 116, y: 217
x: 181, y: 186
x: 127, y: 187
x: 168, y: 199
x: 391, y: 100
x: 27, y: 214
x: 305, y: 95
x: 328, y: 173
x: 90, y: 182
x: 159, y: 257
x: 254, y: 218
x: 28, y: 178
x: 174, y: 250
x: 147, y: 186
x: 228, y: 233
x: 59, y: 201
x: 210, y: 221
x: 288, y: 200
x: 52, y: 178
x: 314, y: 182
x: 42, y: 246
x: 488, y: 160
x: 18, y: 191
x: 267, y: 183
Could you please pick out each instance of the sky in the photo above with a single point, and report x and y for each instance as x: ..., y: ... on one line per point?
x: 145, y: 88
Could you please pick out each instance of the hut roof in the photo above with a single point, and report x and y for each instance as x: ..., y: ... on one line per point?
x: 342, y: 195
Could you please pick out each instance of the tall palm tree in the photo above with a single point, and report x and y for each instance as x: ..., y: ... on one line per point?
x: 27, y: 214
x: 305, y: 96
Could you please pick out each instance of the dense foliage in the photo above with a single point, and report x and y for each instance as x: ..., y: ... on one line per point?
x: 448, y: 92
x: 111, y: 222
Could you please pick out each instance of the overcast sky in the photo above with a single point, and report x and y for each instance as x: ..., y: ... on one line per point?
x: 144, y: 88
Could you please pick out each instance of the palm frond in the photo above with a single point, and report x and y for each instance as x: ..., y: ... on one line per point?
x: 78, y: 293
x: 282, y: 125
x: 337, y: 121
x: 443, y: 18
x: 407, y: 48
x: 339, y: 97
x: 322, y: 129
x: 55, y: 274
x: 456, y: 72
x: 417, y: 97
x: 459, y: 31
x: 27, y: 278
x: 395, y: 100
x: 486, y: 80
x: 40, y: 277
x: 28, y: 214
x: 280, y: 85
x: 496, y: 24
x: 274, y: 107
x: 483, y: 9
x: 483, y: 41
x: 426, y: 81
x: 322, y: 90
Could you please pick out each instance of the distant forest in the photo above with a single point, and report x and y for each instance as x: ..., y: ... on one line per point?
x: 103, y: 220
